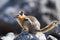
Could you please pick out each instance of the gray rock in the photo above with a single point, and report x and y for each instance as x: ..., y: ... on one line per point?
x: 9, y: 36
x: 50, y: 37
x: 24, y: 35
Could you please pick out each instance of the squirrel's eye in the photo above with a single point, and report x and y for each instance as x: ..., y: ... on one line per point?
x: 25, y: 19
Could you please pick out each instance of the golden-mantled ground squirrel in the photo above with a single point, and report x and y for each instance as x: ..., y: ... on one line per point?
x: 31, y: 24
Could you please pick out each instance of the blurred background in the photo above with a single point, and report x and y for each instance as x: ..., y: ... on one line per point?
x: 44, y: 10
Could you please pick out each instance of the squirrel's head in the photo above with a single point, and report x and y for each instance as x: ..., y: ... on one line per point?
x: 20, y: 17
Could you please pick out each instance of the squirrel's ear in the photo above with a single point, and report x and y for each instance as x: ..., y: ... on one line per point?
x: 21, y: 13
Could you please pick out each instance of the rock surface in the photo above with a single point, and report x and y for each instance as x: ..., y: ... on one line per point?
x: 9, y: 36
x: 24, y: 35
x: 51, y: 38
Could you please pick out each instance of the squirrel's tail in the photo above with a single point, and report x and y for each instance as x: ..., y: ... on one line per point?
x: 48, y: 27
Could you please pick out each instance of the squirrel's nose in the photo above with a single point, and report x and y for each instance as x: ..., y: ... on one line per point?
x: 16, y: 16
